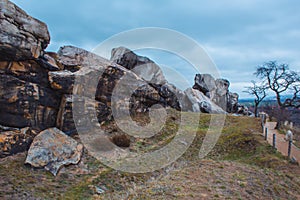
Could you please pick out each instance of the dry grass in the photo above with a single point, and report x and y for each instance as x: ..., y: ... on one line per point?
x: 241, y: 166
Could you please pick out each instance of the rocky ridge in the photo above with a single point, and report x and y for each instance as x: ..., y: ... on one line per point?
x: 36, y: 86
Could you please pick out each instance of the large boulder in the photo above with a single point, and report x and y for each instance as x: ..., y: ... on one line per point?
x: 206, y: 84
x: 52, y: 149
x: 142, y: 66
x: 222, y: 90
x: 15, y: 141
x: 232, y: 102
x: 217, y: 91
x: 22, y: 37
x: 196, y: 101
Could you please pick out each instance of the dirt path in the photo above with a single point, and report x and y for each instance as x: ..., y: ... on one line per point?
x: 281, y: 144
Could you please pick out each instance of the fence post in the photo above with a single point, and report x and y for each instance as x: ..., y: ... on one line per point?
x: 262, y: 119
x: 289, y: 149
x: 266, y: 133
x: 274, y: 141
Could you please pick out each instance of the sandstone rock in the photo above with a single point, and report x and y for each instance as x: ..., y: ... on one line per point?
x: 232, y: 102
x: 6, y: 128
x: 243, y: 110
x: 65, y: 120
x: 220, y: 97
x: 87, y: 66
x: 26, y: 104
x: 73, y: 59
x: 48, y: 61
x: 29, y: 70
x: 171, y: 94
x: 21, y: 36
x: 206, y: 84
x: 53, y: 149
x: 218, y: 92
x: 142, y: 66
x: 15, y: 141
x: 63, y: 81
x: 196, y: 101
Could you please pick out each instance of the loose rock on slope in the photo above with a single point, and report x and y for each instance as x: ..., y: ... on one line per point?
x: 53, y: 149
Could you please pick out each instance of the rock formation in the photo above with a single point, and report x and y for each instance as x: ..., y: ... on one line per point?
x: 141, y: 66
x: 15, y: 141
x: 53, y: 149
x: 37, y: 90
x: 218, y: 92
x: 22, y: 37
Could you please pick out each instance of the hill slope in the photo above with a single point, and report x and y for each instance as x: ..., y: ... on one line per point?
x: 241, y: 166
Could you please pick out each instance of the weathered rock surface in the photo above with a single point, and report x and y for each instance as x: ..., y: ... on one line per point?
x: 87, y: 65
x: 217, y: 91
x: 21, y: 36
x: 29, y: 70
x: 221, y: 94
x: 65, y: 120
x: 36, y: 87
x: 149, y: 71
x: 53, y: 149
x: 26, y: 99
x: 232, y: 102
x: 142, y: 66
x: 196, y: 101
x: 24, y: 104
x: 206, y: 84
x: 15, y: 141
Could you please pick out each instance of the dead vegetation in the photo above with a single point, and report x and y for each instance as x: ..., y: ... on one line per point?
x: 241, y: 166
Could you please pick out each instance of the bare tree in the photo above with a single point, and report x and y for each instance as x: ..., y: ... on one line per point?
x: 280, y: 79
x: 259, y: 91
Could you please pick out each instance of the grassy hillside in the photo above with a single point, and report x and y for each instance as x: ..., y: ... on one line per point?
x: 241, y: 166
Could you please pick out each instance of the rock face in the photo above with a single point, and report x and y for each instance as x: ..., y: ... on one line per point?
x: 206, y: 84
x: 15, y: 141
x: 196, y: 101
x: 25, y: 103
x: 142, y: 66
x: 217, y: 91
x: 21, y: 36
x: 81, y: 63
x: 53, y: 149
x: 38, y: 88
x: 65, y: 120
x: 232, y: 102
x: 149, y: 71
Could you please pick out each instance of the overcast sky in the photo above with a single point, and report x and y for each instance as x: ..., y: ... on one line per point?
x: 237, y: 34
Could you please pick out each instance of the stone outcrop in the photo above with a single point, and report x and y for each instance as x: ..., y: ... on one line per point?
x: 37, y: 90
x: 85, y: 65
x: 24, y: 103
x: 142, y: 66
x: 15, y: 141
x: 196, y: 101
x: 21, y: 36
x: 26, y: 99
x: 65, y: 120
x: 52, y: 149
x: 150, y: 72
x: 218, y: 92
x: 206, y: 84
